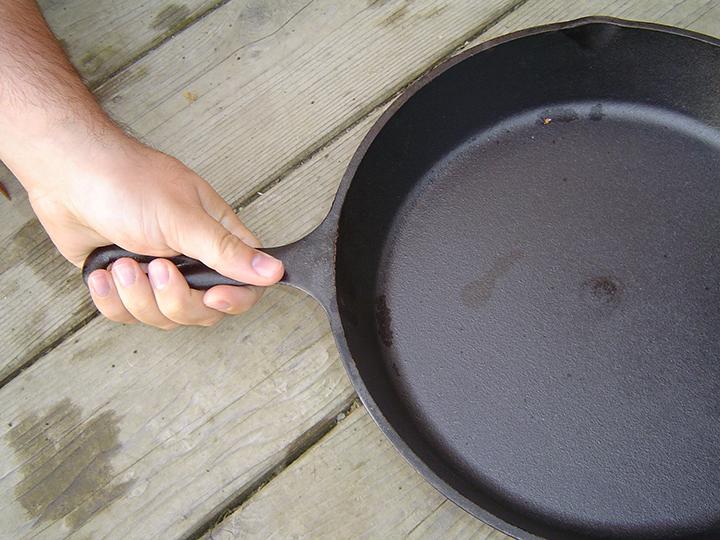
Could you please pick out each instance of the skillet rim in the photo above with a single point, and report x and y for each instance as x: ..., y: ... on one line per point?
x: 331, y: 225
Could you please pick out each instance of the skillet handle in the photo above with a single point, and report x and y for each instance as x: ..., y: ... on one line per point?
x: 308, y: 264
x: 197, y: 275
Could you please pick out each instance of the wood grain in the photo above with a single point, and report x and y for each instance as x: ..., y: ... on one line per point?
x: 270, y: 87
x: 200, y: 416
x: 699, y: 15
x: 352, y: 484
x: 102, y: 36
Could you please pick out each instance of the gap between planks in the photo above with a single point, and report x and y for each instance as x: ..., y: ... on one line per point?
x: 321, y: 144
x: 305, y: 443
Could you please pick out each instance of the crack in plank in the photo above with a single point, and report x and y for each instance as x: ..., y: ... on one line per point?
x: 159, y: 42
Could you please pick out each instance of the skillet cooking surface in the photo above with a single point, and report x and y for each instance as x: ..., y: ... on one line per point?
x: 543, y: 325
x: 546, y: 356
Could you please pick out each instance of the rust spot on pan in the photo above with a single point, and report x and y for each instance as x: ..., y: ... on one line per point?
x: 384, y: 321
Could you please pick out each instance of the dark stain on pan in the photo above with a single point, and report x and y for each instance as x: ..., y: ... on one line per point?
x: 384, y: 321
x: 604, y: 290
x: 395, y: 369
x: 476, y: 293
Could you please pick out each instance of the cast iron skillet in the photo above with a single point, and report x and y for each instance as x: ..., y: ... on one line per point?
x: 521, y: 272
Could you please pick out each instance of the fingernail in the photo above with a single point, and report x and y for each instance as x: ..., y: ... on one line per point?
x: 220, y: 305
x: 99, y: 284
x: 125, y: 272
x: 159, y: 275
x: 265, y: 265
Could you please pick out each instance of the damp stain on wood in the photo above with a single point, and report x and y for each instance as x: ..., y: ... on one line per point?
x: 434, y: 11
x: 395, y: 17
x: 92, y: 62
x: 170, y: 17
x: 66, y: 463
x: 479, y: 291
x: 113, y: 89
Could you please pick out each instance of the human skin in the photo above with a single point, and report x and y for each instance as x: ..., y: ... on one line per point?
x: 92, y: 185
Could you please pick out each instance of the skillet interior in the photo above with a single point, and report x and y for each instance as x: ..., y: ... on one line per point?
x: 527, y: 277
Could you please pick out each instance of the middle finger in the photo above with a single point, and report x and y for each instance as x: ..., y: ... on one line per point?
x: 134, y: 289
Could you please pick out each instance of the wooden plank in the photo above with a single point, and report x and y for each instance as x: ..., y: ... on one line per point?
x: 352, y: 484
x: 267, y: 92
x: 157, y: 431
x: 699, y: 15
x: 267, y: 103
x: 156, y: 454
x: 101, y: 36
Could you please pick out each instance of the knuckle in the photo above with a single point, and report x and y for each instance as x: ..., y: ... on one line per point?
x: 226, y: 244
x: 173, y: 307
x: 114, y: 314
x: 141, y: 306
x: 142, y: 309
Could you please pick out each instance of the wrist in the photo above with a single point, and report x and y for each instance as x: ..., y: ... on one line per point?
x: 45, y: 154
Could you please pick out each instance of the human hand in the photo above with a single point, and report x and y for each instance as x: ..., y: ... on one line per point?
x: 122, y: 192
x: 92, y: 185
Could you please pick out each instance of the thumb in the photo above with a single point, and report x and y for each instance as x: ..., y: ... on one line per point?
x: 201, y: 237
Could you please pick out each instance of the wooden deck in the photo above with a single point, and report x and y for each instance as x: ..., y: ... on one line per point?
x: 248, y: 429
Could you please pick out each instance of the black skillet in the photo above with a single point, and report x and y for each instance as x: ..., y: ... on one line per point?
x: 521, y: 269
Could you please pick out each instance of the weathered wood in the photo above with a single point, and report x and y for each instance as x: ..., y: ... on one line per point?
x: 238, y: 418
x: 699, y: 15
x: 352, y: 484
x: 101, y: 36
x: 157, y: 431
x: 266, y: 93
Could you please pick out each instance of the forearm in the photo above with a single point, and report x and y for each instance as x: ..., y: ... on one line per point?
x: 47, y: 115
